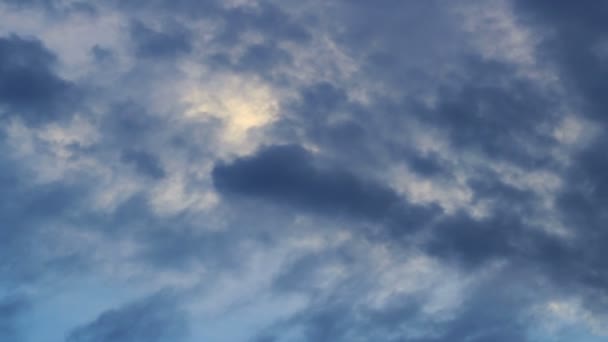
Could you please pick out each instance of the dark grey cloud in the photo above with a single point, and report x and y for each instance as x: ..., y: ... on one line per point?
x: 143, y: 162
x: 153, y: 319
x: 467, y: 242
x: 495, y: 113
x: 289, y: 175
x: 489, y: 111
x: 425, y: 165
x: 263, y: 57
x: 312, y: 117
x: 581, y: 205
x: 101, y: 54
x: 169, y: 43
x: 574, y: 45
x: 574, y: 42
x: 29, y: 85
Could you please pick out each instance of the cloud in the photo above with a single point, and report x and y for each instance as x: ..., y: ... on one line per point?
x: 143, y: 162
x: 573, y: 38
x: 11, y: 308
x: 153, y: 44
x: 404, y: 319
x: 401, y: 170
x: 156, y: 319
x: 288, y: 175
x: 29, y: 86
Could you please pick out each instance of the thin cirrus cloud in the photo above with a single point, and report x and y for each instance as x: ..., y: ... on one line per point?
x: 288, y: 171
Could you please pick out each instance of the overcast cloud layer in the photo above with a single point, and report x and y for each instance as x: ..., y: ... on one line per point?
x: 281, y: 170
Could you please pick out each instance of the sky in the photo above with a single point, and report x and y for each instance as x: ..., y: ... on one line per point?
x: 293, y: 171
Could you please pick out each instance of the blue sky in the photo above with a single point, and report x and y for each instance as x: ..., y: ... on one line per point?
x: 286, y: 171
